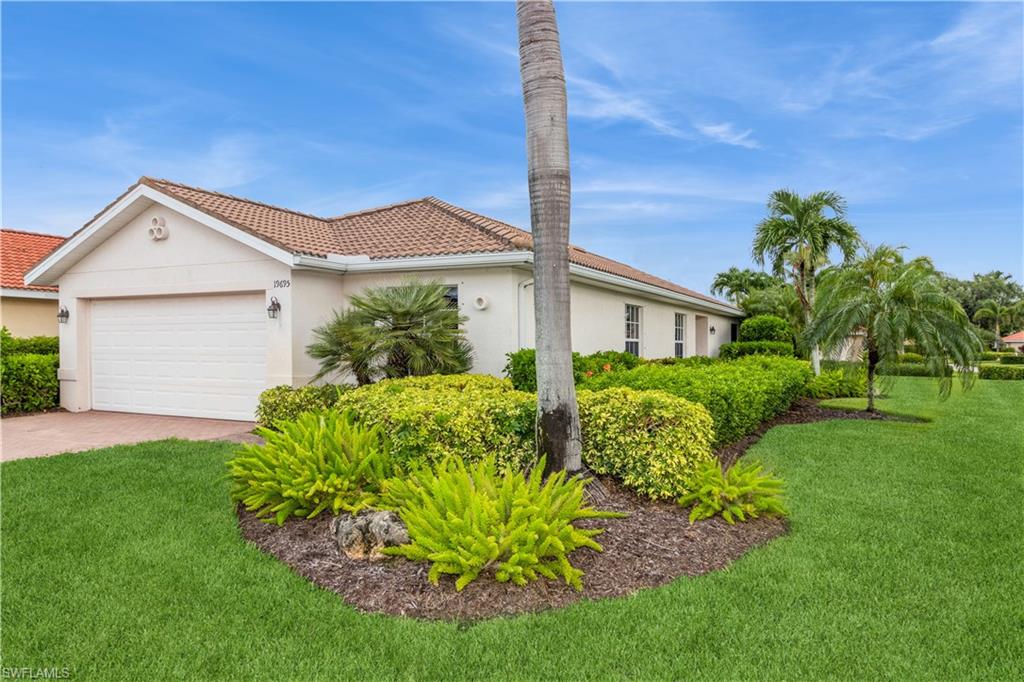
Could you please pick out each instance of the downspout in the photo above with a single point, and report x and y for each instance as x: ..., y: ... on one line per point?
x: 520, y: 289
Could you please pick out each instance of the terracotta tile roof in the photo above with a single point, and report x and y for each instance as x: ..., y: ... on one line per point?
x: 19, y: 251
x: 420, y: 227
x: 1017, y: 337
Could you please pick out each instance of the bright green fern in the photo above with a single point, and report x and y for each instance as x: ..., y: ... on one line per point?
x: 743, y: 492
x: 465, y: 520
x: 320, y: 461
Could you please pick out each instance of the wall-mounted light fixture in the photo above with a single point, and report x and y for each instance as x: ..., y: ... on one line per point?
x: 712, y: 330
x: 63, y: 315
x: 274, y: 308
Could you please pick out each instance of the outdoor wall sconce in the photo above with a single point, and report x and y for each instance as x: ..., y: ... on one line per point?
x: 712, y: 330
x: 274, y: 308
x: 63, y: 315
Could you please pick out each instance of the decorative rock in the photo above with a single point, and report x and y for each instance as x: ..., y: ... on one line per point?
x: 363, y: 535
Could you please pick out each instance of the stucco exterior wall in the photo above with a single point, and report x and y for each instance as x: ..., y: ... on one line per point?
x: 29, y: 316
x: 598, y: 322
x: 193, y: 260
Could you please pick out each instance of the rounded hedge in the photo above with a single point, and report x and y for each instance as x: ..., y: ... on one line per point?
x: 765, y: 328
x: 739, y: 349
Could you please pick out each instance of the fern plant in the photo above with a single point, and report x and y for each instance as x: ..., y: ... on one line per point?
x: 320, y: 461
x: 743, y: 492
x: 467, y: 519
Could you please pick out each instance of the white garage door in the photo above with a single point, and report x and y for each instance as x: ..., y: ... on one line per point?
x: 195, y: 356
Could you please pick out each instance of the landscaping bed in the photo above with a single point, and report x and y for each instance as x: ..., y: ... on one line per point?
x: 652, y: 546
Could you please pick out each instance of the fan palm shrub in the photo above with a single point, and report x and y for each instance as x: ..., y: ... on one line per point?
x: 797, y: 235
x: 895, y: 301
x: 394, y: 331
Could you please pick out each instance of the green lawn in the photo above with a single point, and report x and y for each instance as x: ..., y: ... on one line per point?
x: 904, y: 560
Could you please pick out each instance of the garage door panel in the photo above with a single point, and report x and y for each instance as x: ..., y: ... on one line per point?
x: 192, y: 356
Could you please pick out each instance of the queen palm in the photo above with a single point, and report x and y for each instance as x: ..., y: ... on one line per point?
x: 895, y: 301
x: 393, y: 331
x: 997, y: 313
x: 547, y: 156
x: 796, y: 238
x: 737, y: 284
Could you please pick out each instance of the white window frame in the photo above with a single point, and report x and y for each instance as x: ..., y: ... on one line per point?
x: 679, y: 343
x: 637, y: 324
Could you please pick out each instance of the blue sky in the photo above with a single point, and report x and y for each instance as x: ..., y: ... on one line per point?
x: 683, y: 116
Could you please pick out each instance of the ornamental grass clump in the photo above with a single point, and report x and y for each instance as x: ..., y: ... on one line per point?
x: 468, y: 519
x: 321, y: 461
x: 743, y: 492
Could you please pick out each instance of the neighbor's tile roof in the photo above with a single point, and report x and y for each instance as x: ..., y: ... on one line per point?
x: 420, y: 227
x: 1018, y: 336
x: 19, y: 251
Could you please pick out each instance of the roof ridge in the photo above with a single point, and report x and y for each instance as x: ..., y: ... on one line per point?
x: 459, y: 213
x: 34, y: 234
x: 150, y: 181
x: 377, y: 209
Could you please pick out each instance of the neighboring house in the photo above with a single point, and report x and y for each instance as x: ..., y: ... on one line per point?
x: 26, y: 310
x: 190, y: 302
x: 1015, y: 341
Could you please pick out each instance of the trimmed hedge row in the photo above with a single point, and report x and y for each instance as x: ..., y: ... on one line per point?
x: 471, y: 417
x: 28, y: 383
x: 33, y: 345
x: 285, y: 403
x: 739, y: 394
x: 1010, y: 372
x: 908, y: 369
x: 739, y: 349
x: 521, y: 366
x: 1015, y: 359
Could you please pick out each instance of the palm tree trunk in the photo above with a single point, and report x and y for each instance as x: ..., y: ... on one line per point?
x: 547, y: 148
x: 809, y: 314
x: 872, y: 366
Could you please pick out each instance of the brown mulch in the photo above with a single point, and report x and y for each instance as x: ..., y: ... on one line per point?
x: 654, y: 545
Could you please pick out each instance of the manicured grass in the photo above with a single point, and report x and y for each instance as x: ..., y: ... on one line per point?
x: 904, y: 561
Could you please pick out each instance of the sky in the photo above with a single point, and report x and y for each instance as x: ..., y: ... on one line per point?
x: 683, y: 117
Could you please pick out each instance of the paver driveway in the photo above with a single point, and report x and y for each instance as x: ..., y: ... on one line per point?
x: 48, y: 434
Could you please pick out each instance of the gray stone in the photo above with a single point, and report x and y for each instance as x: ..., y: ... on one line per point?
x: 363, y: 535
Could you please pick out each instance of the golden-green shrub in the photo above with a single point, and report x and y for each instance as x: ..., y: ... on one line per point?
x: 650, y: 440
x: 464, y: 519
x: 744, y: 492
x: 285, y: 403
x: 838, y: 383
x: 321, y: 461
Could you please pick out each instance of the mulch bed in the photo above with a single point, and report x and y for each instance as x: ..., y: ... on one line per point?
x: 653, y: 546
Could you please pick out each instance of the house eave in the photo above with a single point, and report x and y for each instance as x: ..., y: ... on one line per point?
x: 8, y: 292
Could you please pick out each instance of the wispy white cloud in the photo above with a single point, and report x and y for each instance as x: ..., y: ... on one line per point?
x: 594, y: 100
x: 727, y: 134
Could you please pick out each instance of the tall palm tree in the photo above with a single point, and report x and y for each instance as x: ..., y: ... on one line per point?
x: 893, y: 302
x: 799, y: 233
x: 547, y: 152
x: 393, y: 331
x: 737, y: 284
x: 997, y: 313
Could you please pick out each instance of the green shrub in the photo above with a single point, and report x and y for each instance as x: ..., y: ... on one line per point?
x: 743, y: 492
x: 521, y: 366
x: 739, y: 394
x: 431, y: 418
x: 739, y: 349
x: 284, y: 403
x: 903, y: 369
x: 650, y: 440
x: 766, y: 328
x: 28, y: 383
x: 33, y: 345
x: 1012, y: 372
x: 911, y: 358
x: 1015, y: 359
x: 320, y: 461
x: 837, y: 383
x: 465, y: 518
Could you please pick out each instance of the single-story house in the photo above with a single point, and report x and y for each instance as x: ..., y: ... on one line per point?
x: 26, y: 310
x: 1015, y: 341
x: 184, y: 301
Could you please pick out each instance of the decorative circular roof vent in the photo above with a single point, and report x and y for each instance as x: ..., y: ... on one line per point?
x: 158, y: 229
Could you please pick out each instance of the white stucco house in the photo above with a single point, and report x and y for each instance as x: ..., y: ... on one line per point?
x: 184, y: 301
